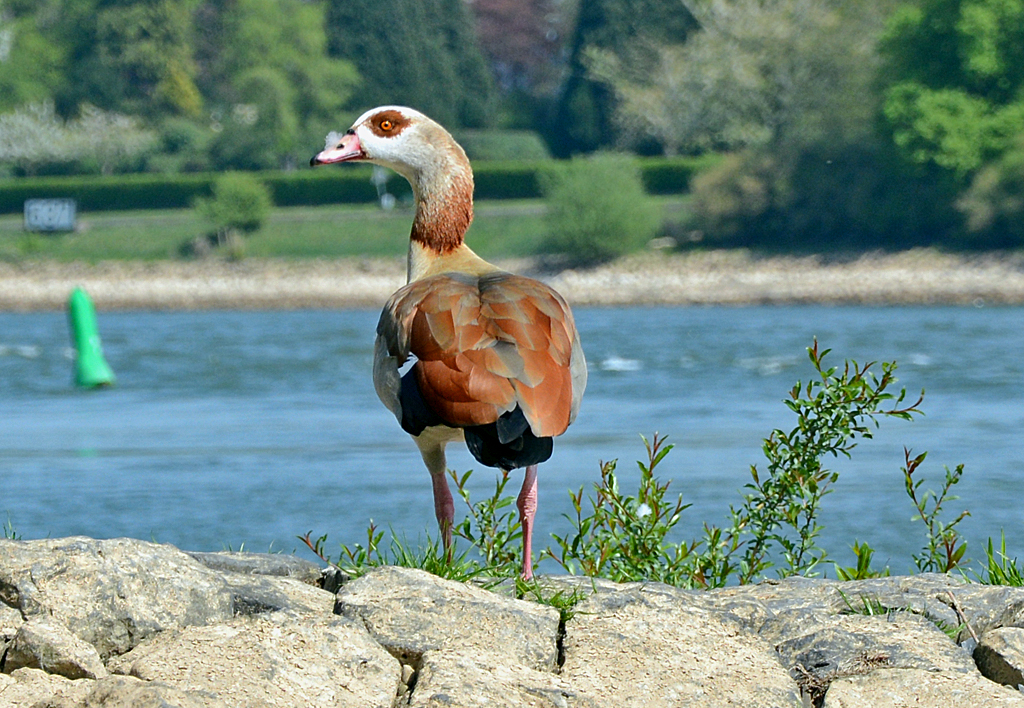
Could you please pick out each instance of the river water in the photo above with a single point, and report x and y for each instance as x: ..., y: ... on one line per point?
x: 246, y: 429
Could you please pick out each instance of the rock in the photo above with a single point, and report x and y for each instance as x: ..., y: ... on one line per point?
x: 269, y: 661
x: 34, y: 687
x: 990, y: 606
x: 646, y: 643
x: 10, y: 620
x: 112, y: 593
x: 898, y: 688
x: 128, y: 692
x: 254, y: 595
x: 898, y: 640
x: 273, y: 564
x: 926, y: 594
x: 849, y: 645
x: 42, y: 643
x: 115, y: 593
x: 1000, y: 656
x: 460, y: 678
x: 411, y: 612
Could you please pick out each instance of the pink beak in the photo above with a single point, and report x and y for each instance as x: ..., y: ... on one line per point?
x: 345, y: 151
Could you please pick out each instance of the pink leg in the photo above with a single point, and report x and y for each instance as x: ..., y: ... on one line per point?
x: 527, y: 504
x: 444, y: 508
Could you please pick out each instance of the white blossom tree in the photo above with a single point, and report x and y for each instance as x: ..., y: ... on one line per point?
x: 35, y: 135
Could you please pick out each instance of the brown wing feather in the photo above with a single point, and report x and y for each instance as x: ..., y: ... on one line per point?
x: 484, y: 345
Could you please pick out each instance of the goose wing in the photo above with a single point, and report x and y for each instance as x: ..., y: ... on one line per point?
x: 483, y: 345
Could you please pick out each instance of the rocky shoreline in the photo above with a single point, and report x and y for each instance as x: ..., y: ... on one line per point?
x: 88, y: 623
x: 915, y: 277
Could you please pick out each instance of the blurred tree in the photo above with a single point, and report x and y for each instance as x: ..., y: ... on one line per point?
x: 994, y: 203
x: 272, y: 89
x: 627, y: 30
x: 779, y: 74
x: 130, y: 56
x: 954, y: 81
x: 31, y: 66
x: 522, y: 41
x: 421, y: 53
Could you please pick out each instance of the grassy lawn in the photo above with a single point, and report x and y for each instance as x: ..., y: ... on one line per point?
x: 500, y: 229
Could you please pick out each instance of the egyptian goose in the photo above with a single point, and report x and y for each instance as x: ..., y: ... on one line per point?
x: 495, y: 357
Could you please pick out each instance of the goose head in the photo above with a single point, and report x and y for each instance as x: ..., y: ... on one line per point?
x: 397, y: 137
x: 423, y: 152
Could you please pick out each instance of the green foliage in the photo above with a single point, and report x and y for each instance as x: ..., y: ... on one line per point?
x: 597, y: 209
x: 492, y: 527
x: 999, y: 568
x: 113, y: 193
x: 9, y: 531
x: 953, y: 80
x: 272, y: 87
x: 862, y: 570
x: 183, y: 147
x: 868, y: 606
x: 502, y: 145
x: 674, y: 175
x: 829, y: 197
x: 782, y: 506
x: 623, y: 537
x: 421, y: 53
x: 778, y: 75
x: 950, y: 127
x: 776, y: 526
x: 732, y: 202
x: 945, y: 549
x: 239, y: 202
x: 624, y: 28
x: 358, y: 559
x: 33, y: 72
x: 994, y: 203
x: 255, y: 73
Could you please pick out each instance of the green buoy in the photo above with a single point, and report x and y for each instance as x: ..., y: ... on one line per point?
x: 91, y: 369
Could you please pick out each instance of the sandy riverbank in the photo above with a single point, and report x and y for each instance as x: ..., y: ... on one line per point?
x: 717, y: 277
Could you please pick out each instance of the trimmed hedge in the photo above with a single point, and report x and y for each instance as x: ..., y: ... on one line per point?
x: 672, y: 175
x: 494, y: 180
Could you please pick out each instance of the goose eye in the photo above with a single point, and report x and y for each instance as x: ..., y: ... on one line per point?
x: 386, y: 125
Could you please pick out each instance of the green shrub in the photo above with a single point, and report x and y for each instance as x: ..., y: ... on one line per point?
x: 597, y: 209
x: 731, y: 202
x: 994, y: 203
x: 240, y: 202
x: 502, y: 145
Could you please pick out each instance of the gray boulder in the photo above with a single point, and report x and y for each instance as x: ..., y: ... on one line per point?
x: 1000, y: 656
x: 899, y: 688
x: 42, y: 643
x: 115, y: 593
x: 411, y: 612
x: 272, y: 564
x: 460, y: 677
x: 651, y: 646
x: 25, y: 688
x: 275, y: 660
